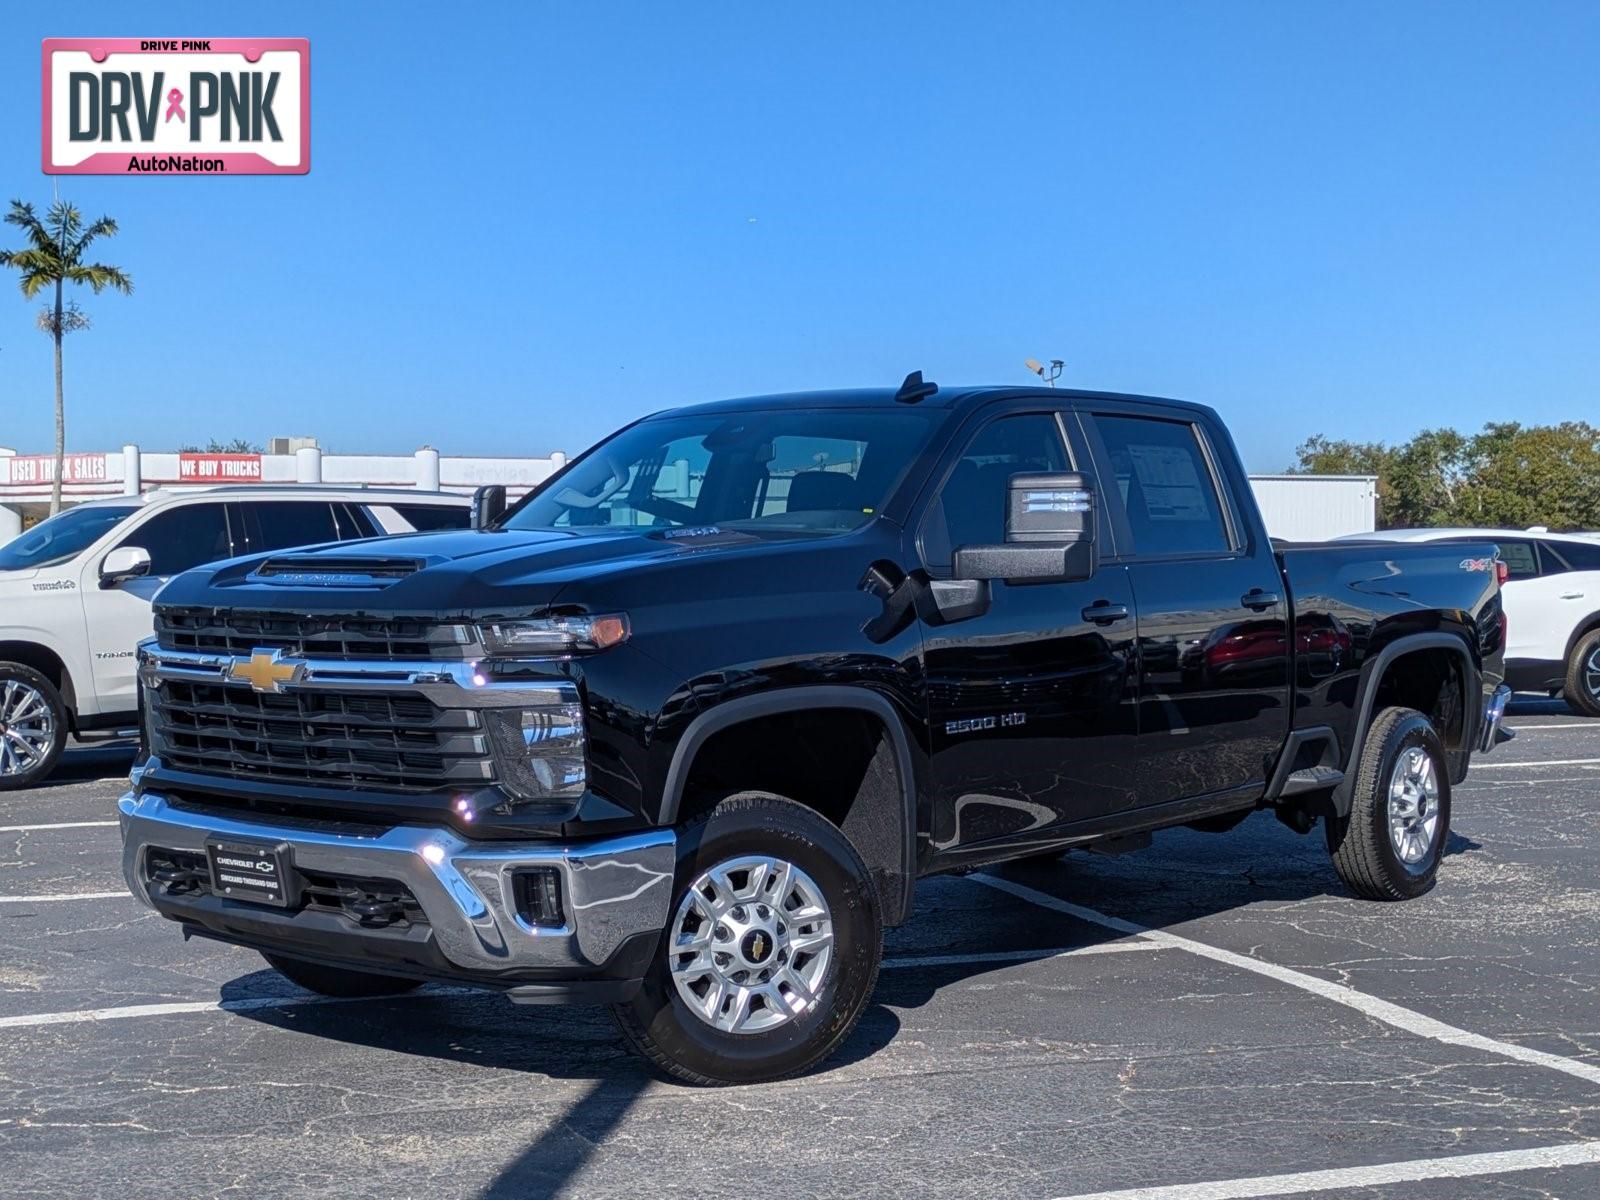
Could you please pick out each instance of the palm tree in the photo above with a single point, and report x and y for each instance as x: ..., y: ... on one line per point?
x: 56, y: 247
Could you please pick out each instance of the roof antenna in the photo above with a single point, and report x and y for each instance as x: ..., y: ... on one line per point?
x: 913, y: 389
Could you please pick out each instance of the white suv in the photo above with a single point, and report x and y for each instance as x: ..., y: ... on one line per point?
x: 1552, y: 600
x: 75, y: 592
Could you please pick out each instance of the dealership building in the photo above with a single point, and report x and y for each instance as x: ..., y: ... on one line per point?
x: 1296, y: 507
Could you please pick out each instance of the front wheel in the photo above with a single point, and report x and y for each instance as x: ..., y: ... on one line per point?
x: 33, y: 726
x: 1390, y: 844
x: 1583, y: 676
x: 771, y: 951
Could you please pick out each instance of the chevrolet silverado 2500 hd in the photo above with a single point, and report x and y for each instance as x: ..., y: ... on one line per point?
x: 681, y: 730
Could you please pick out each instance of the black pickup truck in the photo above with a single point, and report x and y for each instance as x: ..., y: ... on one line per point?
x: 680, y: 731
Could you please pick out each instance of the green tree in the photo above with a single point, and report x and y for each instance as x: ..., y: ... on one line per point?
x: 1536, y: 475
x: 1507, y: 475
x: 53, y: 258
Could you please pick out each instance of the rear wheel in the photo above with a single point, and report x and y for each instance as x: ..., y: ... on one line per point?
x: 771, y: 952
x: 336, y: 981
x: 1390, y: 844
x: 1583, y: 675
x: 33, y: 726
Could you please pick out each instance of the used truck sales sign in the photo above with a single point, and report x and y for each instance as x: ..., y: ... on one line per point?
x: 208, y: 106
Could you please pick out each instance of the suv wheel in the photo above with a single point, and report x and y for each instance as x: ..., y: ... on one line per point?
x: 336, y: 981
x: 1583, y: 675
x: 772, y: 949
x: 1390, y: 844
x: 33, y: 726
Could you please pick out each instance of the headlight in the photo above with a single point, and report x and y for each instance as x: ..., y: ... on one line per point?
x: 540, y: 751
x: 555, y: 635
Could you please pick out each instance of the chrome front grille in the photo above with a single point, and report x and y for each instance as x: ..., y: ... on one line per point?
x: 389, y: 741
x: 240, y: 631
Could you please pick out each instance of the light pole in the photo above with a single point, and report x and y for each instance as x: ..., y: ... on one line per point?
x: 1049, y: 373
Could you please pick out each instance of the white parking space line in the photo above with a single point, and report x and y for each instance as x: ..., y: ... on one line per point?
x: 257, y: 1003
x: 59, y: 896
x: 998, y: 956
x: 1502, y: 765
x: 1379, y: 1010
x: 1594, y: 725
x: 1341, y: 1180
x: 247, y: 1004
x: 56, y: 825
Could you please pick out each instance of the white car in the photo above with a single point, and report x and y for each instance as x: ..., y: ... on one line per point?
x: 75, y: 592
x: 1552, y: 601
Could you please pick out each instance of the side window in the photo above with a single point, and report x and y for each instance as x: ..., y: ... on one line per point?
x: 425, y: 517
x: 1519, y: 557
x: 1575, y: 556
x: 1166, y: 486
x: 352, y: 521
x: 970, y: 509
x: 280, y: 524
x: 183, y: 537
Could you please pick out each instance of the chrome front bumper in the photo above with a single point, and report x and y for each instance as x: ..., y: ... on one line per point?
x: 612, y: 889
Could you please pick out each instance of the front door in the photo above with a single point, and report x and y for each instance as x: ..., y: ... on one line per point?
x: 118, y: 617
x: 1032, y: 705
x: 1213, y: 613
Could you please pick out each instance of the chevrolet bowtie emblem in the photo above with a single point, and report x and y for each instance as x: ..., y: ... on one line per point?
x: 265, y: 671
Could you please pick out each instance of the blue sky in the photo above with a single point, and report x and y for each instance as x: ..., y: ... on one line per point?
x: 524, y: 225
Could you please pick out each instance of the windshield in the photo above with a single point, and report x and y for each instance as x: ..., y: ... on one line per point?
x: 62, y: 536
x: 818, y: 470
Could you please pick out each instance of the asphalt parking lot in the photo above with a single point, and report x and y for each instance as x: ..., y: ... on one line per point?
x: 1212, y: 1018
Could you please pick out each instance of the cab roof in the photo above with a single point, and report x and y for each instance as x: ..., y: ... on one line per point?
x: 959, y: 398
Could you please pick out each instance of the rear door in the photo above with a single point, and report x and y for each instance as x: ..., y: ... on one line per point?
x: 1212, y: 614
x: 1033, y: 704
x: 263, y: 525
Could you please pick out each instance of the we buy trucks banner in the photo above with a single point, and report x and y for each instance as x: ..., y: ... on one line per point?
x: 177, y: 106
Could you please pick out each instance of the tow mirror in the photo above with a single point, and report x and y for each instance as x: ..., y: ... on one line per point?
x: 1050, y: 533
x: 488, y: 505
x: 125, y: 562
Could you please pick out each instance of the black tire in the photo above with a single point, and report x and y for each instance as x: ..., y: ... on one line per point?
x: 337, y: 981
x: 1582, y: 697
x: 663, y: 1029
x: 1363, y: 852
x: 35, y: 773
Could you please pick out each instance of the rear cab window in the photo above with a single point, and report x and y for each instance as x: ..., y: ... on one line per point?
x: 1167, y: 489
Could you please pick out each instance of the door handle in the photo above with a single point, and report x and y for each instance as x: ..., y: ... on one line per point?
x: 1572, y: 595
x: 1258, y: 601
x: 1103, y: 613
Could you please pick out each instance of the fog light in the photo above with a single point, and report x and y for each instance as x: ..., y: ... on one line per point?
x: 537, y: 893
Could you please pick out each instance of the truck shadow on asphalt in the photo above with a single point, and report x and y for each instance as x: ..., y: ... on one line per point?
x: 1264, y: 862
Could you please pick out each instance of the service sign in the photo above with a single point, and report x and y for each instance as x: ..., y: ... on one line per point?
x: 177, y: 106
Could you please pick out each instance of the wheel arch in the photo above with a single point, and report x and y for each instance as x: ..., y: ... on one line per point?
x: 1583, y: 629
x: 881, y: 823
x: 48, y: 663
x: 1377, y: 673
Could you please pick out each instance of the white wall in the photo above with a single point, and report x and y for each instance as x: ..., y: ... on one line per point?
x: 1314, y: 508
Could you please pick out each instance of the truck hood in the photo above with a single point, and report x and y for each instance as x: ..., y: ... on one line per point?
x: 451, y: 573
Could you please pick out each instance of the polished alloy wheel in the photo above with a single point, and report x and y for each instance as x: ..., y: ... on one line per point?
x: 27, y: 728
x: 1413, y: 806
x: 750, y: 944
x: 1591, y: 673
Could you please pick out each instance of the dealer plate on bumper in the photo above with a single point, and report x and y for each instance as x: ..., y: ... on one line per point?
x: 252, y: 871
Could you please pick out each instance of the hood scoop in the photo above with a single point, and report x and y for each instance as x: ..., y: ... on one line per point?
x: 319, y: 570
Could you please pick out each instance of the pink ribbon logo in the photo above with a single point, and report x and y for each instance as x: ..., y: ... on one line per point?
x: 175, y: 106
